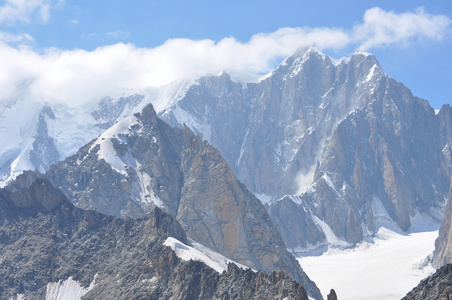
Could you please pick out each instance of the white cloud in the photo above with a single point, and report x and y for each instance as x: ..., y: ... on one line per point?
x: 79, y: 76
x: 381, y: 28
x: 13, y: 11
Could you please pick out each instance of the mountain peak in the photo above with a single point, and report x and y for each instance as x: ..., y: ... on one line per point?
x: 148, y: 115
x: 308, y: 51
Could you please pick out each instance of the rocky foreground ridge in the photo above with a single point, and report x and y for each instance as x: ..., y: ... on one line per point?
x: 49, y: 247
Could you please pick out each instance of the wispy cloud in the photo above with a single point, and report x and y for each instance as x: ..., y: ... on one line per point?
x: 118, y: 34
x: 13, y: 11
x: 80, y: 76
x: 22, y: 39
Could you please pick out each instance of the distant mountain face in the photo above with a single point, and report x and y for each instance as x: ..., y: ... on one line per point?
x: 335, y: 148
x: 51, y: 249
x: 141, y: 163
x: 278, y: 126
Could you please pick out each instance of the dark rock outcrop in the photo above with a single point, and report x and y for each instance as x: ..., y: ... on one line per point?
x: 332, y: 295
x: 45, y: 239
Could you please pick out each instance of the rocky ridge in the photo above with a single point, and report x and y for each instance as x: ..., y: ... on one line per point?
x: 141, y: 163
x: 49, y: 247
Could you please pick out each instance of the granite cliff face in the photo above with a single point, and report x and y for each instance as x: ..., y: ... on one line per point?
x: 50, y: 248
x: 271, y: 131
x: 141, y: 163
x: 335, y: 148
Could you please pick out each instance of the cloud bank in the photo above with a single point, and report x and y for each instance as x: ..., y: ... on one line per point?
x: 77, y: 76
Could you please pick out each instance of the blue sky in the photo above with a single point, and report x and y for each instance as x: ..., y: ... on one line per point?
x: 50, y: 34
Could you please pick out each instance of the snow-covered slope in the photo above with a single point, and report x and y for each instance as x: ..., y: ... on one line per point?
x: 68, y: 289
x: 201, y: 253
x: 386, y: 267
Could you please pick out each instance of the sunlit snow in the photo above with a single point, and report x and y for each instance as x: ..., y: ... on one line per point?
x: 387, y: 267
x: 200, y: 253
x: 107, y: 151
x: 331, y: 238
x: 68, y: 289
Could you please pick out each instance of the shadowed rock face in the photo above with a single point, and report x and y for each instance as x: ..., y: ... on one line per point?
x: 141, y: 163
x: 435, y: 287
x: 45, y: 239
x: 443, y: 244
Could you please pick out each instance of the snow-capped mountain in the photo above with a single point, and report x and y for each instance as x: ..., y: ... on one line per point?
x: 336, y: 148
x: 36, y: 134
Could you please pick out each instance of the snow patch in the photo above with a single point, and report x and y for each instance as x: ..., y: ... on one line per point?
x: 242, y: 148
x: 329, y: 182
x: 200, y: 253
x: 264, y: 198
x: 147, y: 195
x: 68, y: 289
x: 107, y: 150
x: 381, y: 216
x: 371, y: 73
x: 332, y: 239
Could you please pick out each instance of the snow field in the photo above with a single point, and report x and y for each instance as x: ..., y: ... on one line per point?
x: 386, y: 268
